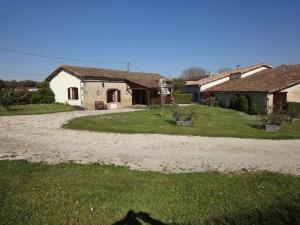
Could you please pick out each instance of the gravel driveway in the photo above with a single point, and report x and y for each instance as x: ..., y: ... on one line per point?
x: 40, y: 138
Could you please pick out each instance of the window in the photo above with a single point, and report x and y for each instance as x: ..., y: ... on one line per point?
x: 73, y: 93
x: 110, y: 95
x: 119, y: 96
x: 113, y: 95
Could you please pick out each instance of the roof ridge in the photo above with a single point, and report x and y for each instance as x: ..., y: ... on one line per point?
x: 112, y: 70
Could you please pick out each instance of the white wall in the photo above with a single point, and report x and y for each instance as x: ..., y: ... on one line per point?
x: 60, y: 84
x: 254, y: 71
x: 214, y: 83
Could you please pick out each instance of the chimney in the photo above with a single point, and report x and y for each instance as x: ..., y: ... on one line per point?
x: 238, y: 66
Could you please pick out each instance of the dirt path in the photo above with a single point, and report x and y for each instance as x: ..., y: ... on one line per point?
x: 40, y: 138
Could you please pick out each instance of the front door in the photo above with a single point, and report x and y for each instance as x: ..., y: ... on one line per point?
x: 279, y: 100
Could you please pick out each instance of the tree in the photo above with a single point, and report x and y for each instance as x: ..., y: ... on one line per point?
x: 2, y: 84
x: 194, y: 73
x: 224, y: 69
x: 178, y: 84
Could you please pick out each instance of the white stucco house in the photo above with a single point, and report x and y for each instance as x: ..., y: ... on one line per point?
x: 198, y: 88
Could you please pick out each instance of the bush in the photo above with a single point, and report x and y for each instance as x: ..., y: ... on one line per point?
x: 183, y: 114
x: 2, y: 84
x: 293, y: 109
x: 182, y: 97
x: 257, y: 109
x: 22, y: 97
x: 6, y: 99
x: 276, y: 117
x: 212, y: 101
x: 240, y: 103
x: 43, y: 96
x: 233, y: 102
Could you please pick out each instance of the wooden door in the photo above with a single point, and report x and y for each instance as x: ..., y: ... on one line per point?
x: 279, y: 100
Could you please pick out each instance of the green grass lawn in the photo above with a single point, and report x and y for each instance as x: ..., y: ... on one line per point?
x: 35, y: 109
x: 211, y: 121
x: 66, y: 193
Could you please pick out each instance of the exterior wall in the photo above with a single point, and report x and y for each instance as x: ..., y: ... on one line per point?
x: 256, y: 98
x: 293, y: 93
x: 60, y: 84
x: 270, y: 102
x: 94, y: 91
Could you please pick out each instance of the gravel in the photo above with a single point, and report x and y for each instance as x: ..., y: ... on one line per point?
x: 39, y: 138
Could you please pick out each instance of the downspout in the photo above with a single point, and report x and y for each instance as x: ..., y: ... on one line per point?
x: 82, y: 93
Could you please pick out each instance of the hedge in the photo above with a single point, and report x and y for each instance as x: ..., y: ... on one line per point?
x: 182, y: 97
x: 294, y: 106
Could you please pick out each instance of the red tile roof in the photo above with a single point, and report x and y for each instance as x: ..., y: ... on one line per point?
x: 226, y: 74
x: 269, y: 81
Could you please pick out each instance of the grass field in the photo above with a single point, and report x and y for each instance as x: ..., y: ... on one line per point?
x: 96, y: 194
x: 34, y: 109
x: 211, y: 121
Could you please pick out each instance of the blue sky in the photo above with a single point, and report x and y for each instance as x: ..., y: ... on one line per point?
x: 157, y: 36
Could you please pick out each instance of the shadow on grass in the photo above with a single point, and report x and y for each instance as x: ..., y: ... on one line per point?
x: 256, y: 126
x: 282, y: 213
x: 133, y: 218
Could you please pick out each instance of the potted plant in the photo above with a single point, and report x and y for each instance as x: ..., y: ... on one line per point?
x: 183, y: 116
x: 274, y: 120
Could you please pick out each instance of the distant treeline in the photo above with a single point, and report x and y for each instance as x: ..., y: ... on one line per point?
x: 23, y: 83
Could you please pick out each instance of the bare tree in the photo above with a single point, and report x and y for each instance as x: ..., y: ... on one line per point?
x: 194, y: 73
x: 224, y: 69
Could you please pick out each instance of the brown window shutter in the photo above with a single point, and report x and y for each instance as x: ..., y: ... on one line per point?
x: 69, y: 93
x: 119, y: 96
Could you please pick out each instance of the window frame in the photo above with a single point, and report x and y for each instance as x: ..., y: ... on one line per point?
x: 73, y: 93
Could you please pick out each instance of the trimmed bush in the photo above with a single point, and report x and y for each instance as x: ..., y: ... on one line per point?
x: 43, y: 96
x: 233, y: 102
x: 293, y: 106
x: 242, y: 103
x: 257, y: 109
x: 182, y: 97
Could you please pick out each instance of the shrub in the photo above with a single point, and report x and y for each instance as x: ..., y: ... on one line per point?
x: 212, y: 101
x: 22, y: 97
x: 293, y: 108
x: 183, y: 114
x: 182, y: 97
x: 43, y: 96
x: 233, y: 102
x: 257, y: 109
x: 276, y: 117
x: 242, y: 103
x: 6, y: 99
x: 2, y: 84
